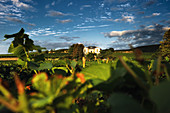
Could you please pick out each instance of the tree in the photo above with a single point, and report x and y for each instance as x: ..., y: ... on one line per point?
x: 76, y: 51
x: 70, y: 50
x: 165, y: 45
x: 107, y: 53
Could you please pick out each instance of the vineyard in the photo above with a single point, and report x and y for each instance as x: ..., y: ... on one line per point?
x: 32, y: 84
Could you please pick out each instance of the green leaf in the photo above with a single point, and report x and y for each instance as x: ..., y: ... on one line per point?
x: 65, y: 103
x: 73, y: 64
x: 57, y: 85
x: 33, y: 65
x: 154, y: 65
x: 41, y: 83
x: 45, y: 65
x: 29, y: 44
x: 60, y: 70
x: 119, y: 72
x: 18, y: 51
x: 41, y: 102
x: 121, y: 103
x: 18, y: 41
x: 21, y: 62
x: 40, y: 57
x: 11, y: 47
x: 114, y: 80
x: 161, y: 96
x: 16, y: 34
x: 97, y: 73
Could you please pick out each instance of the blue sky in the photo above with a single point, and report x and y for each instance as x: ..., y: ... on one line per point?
x: 57, y: 24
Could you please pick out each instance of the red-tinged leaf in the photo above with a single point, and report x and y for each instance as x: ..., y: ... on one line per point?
x: 81, y: 77
x: 19, y: 85
x: 41, y: 83
x: 28, y: 87
x: 59, y: 76
x: 40, y: 77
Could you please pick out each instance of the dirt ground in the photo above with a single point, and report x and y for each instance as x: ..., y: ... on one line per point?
x: 8, y: 59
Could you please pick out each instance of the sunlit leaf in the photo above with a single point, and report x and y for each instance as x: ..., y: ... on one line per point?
x: 11, y: 47
x: 100, y: 72
x: 60, y: 71
x: 45, y: 65
x: 21, y: 62
x: 18, y: 51
x: 73, y: 64
x: 41, y: 102
x: 41, y: 83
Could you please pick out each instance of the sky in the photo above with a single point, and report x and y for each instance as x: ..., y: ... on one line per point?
x: 57, y: 24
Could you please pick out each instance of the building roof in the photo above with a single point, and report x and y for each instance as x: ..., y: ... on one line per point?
x: 91, y: 47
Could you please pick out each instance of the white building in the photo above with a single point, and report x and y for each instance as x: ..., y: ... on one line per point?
x: 91, y: 49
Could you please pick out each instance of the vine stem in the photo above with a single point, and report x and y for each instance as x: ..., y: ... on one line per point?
x: 133, y: 74
x: 158, y: 70
x: 9, y: 105
x: 166, y: 72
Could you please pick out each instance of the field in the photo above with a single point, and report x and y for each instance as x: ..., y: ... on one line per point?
x: 99, y: 86
x: 120, y: 83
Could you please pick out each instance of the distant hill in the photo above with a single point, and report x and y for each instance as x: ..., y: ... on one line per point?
x: 148, y: 48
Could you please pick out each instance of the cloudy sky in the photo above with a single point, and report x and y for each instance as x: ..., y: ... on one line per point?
x: 56, y: 24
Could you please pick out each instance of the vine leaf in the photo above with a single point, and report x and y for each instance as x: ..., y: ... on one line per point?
x: 122, y: 103
x: 160, y: 95
x: 97, y: 73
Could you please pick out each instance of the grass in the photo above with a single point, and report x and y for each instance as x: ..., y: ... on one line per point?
x: 146, y: 55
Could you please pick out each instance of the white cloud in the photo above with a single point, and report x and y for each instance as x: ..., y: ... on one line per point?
x: 125, y: 5
x: 64, y: 21
x: 108, y: 13
x: 53, y: 3
x: 103, y: 25
x: 156, y: 14
x: 125, y: 17
x: 46, y: 32
x: 148, y: 35
x: 4, y: 45
x: 47, y: 6
x: 9, y: 8
x: 53, y: 13
x: 153, y: 15
x: 119, y: 33
x: 86, y: 27
x: 84, y: 6
x: 4, y: 0
x: 53, y: 45
x: 18, y: 21
x: 68, y: 38
x: 42, y: 32
x: 22, y: 5
x: 128, y: 18
x: 69, y: 4
x: 89, y: 27
x: 114, y: 1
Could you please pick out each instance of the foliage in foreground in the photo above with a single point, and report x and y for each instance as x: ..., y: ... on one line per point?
x: 165, y: 45
x: 120, y: 86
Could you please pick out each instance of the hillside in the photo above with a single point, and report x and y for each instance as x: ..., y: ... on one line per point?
x: 148, y: 48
